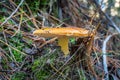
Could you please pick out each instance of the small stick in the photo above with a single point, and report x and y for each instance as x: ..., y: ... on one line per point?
x: 13, y: 13
x: 104, y: 55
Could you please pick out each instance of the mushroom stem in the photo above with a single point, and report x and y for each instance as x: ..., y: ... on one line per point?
x: 63, y: 43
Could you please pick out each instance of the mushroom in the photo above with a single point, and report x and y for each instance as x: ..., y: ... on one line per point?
x: 63, y: 34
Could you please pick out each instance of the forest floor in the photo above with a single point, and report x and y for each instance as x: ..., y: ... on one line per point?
x: 24, y: 56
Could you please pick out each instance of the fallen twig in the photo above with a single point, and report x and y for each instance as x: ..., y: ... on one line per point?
x: 104, y: 55
x: 12, y: 13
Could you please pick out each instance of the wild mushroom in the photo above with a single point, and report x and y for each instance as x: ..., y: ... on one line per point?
x: 63, y: 34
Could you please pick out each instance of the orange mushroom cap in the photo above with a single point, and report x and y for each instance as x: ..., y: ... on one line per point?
x: 61, y: 32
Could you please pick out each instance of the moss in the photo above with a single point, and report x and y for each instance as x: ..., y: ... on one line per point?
x: 41, y: 74
x: 18, y: 76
